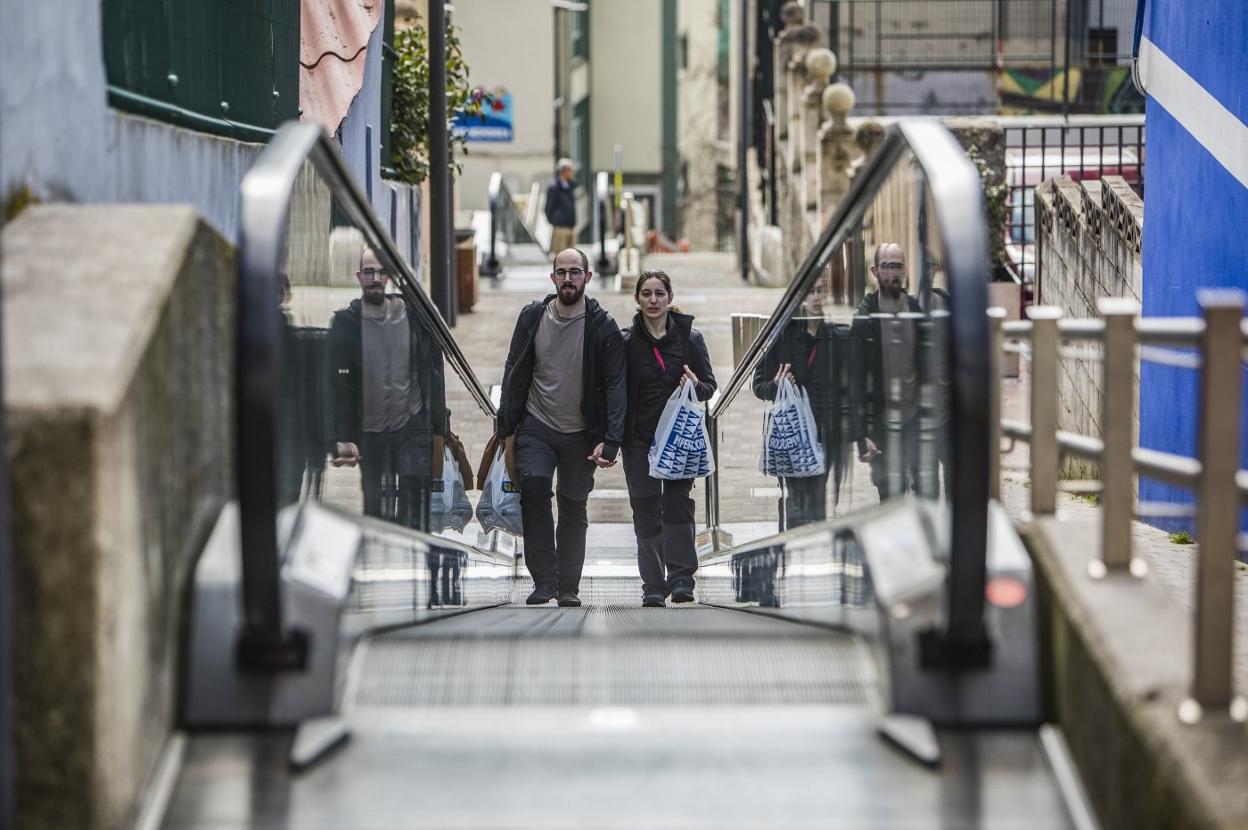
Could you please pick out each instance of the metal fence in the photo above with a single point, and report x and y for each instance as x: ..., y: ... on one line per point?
x: 1214, y: 345
x: 983, y: 56
x: 229, y: 67
x: 1084, y: 148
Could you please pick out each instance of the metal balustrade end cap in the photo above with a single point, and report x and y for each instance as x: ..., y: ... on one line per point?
x: 1044, y: 312
x: 1115, y: 306
x: 1220, y: 298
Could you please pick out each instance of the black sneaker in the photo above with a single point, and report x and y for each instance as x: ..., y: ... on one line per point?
x: 682, y: 593
x: 653, y: 601
x: 541, y: 595
x: 569, y: 600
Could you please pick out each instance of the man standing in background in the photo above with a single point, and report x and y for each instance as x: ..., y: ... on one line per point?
x: 561, y: 206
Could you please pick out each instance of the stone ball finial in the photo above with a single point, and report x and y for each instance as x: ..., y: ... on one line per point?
x: 808, y: 35
x: 838, y: 100
x: 793, y: 13
x: 820, y: 64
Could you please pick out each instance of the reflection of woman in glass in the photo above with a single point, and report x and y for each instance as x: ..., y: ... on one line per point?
x: 663, y: 351
x: 812, y: 353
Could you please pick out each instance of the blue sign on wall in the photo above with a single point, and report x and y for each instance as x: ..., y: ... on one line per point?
x: 493, y: 123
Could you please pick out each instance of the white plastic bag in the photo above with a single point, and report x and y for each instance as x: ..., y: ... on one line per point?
x: 499, y: 505
x: 681, y: 448
x: 791, y: 447
x: 449, y: 507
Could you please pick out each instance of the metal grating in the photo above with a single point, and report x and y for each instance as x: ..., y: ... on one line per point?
x: 610, y: 655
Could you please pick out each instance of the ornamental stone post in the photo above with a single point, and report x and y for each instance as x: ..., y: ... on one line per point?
x: 807, y: 37
x: 820, y: 64
x: 838, y: 149
x: 794, y: 16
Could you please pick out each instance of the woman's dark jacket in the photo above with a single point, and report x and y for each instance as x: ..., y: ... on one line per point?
x: 649, y: 385
x: 603, y: 398
x: 820, y: 362
x: 343, y: 351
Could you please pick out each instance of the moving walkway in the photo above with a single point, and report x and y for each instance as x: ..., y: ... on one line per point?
x: 851, y: 661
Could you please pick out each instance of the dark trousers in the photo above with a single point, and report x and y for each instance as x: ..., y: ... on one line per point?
x: 554, y: 555
x: 806, y: 499
x: 890, y: 468
x: 664, y: 523
x: 394, y: 474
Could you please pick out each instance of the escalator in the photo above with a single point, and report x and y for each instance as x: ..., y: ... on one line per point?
x: 862, y: 652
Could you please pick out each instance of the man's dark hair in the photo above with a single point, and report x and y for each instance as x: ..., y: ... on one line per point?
x: 584, y: 259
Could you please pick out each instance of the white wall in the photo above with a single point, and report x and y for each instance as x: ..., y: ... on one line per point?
x: 626, y: 93
x: 510, y: 44
x: 696, y: 121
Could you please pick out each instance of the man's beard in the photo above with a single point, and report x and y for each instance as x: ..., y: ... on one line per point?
x: 375, y: 296
x: 893, y: 290
x: 576, y: 293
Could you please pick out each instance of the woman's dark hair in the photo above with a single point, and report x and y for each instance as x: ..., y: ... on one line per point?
x: 654, y: 274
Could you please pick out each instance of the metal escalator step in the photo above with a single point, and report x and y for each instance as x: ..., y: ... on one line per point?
x: 610, y: 655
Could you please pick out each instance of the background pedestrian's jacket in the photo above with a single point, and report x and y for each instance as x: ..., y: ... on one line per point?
x: 867, y: 371
x: 561, y: 203
x: 344, y: 351
x: 649, y: 386
x: 824, y: 374
x: 603, y: 397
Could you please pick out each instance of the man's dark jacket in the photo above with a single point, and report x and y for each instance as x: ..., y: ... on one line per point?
x: 681, y: 345
x: 561, y: 203
x: 604, y: 397
x: 344, y: 350
x: 867, y: 364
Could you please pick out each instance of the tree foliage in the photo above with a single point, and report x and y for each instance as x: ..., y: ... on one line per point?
x: 409, y: 103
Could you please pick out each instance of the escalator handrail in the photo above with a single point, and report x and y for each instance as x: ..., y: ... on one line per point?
x: 266, y: 193
x: 503, y: 209
x: 958, y: 197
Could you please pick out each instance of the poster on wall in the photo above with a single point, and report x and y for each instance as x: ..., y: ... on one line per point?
x: 493, y: 124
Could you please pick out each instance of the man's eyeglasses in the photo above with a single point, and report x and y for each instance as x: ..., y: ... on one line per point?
x: 373, y: 273
x: 564, y: 274
x: 892, y: 266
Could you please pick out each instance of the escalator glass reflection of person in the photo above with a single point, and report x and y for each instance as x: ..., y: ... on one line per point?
x: 387, y: 398
x: 813, y: 353
x: 885, y: 411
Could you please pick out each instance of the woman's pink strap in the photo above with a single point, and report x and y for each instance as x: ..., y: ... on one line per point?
x: 659, y: 358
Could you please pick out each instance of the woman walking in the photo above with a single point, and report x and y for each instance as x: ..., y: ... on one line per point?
x: 663, y: 351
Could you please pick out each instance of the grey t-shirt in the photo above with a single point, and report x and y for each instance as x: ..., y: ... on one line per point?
x: 555, y: 394
x: 901, y: 375
x: 391, y: 394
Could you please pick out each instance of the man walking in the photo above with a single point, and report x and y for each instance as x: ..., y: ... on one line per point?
x: 387, y: 398
x: 561, y: 207
x: 563, y: 398
x: 885, y: 363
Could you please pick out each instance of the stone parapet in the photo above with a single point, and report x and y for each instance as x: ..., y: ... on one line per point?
x: 1087, y: 247
x: 118, y: 365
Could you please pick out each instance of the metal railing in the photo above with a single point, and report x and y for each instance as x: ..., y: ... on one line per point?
x: 1220, y: 488
x: 266, y: 193
x: 506, y: 225
x: 603, y: 223
x: 955, y: 190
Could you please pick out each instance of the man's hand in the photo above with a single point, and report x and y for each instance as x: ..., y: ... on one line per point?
x: 872, y: 451
x: 597, y: 458
x: 346, y: 454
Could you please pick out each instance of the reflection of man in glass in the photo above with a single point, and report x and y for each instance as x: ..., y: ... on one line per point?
x: 885, y: 420
x: 812, y: 353
x: 387, y: 398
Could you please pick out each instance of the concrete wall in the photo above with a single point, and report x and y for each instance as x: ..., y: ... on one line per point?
x: 497, y: 39
x: 119, y: 407
x: 1196, y: 205
x: 625, y: 102
x: 1088, y: 247
x: 696, y: 113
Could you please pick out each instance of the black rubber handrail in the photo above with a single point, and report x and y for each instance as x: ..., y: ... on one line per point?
x: 958, y: 199
x: 505, y: 220
x: 264, y: 213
